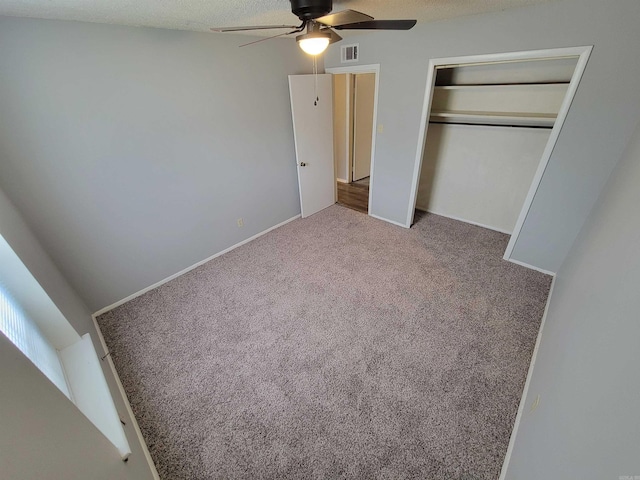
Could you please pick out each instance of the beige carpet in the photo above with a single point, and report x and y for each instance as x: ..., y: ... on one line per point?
x: 337, y: 346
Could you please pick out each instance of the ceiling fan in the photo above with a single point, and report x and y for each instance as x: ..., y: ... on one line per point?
x: 319, y: 22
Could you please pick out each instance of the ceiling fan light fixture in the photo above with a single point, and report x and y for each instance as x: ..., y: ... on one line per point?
x: 314, y: 43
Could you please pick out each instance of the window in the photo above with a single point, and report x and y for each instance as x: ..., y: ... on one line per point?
x: 35, y: 325
x: 26, y: 335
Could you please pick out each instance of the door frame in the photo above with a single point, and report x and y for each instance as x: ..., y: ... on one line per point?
x: 582, y: 53
x: 373, y: 68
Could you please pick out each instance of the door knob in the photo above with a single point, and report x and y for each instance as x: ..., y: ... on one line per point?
x: 302, y: 164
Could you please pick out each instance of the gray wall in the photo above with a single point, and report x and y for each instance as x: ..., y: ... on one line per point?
x: 131, y: 152
x: 599, y: 124
x: 41, y: 433
x: 587, y: 423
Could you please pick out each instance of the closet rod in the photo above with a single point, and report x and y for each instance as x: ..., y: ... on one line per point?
x: 462, y: 86
x: 492, y: 125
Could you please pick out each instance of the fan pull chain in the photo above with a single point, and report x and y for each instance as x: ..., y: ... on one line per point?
x: 315, y: 73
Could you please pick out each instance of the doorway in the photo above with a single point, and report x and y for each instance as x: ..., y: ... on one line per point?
x: 516, y: 112
x: 355, y: 92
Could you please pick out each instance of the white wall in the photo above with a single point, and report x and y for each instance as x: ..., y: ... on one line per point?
x: 132, y: 152
x: 587, y: 424
x: 598, y: 126
x: 43, y: 435
x: 341, y: 121
x: 363, y: 110
x: 478, y: 173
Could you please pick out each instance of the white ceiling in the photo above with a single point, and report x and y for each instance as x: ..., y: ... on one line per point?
x: 200, y: 15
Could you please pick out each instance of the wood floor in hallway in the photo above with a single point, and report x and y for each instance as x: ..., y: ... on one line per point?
x: 354, y: 195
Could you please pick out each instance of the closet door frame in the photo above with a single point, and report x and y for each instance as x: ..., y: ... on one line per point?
x: 434, y: 64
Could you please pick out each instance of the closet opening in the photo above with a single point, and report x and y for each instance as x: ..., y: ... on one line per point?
x: 354, y: 126
x: 489, y: 125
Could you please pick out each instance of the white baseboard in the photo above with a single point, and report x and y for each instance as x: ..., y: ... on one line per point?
x: 522, y: 264
x: 389, y: 221
x: 342, y: 180
x: 452, y: 217
x: 525, y: 390
x: 127, y: 405
x: 195, y: 265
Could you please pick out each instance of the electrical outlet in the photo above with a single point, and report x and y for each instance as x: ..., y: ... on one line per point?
x: 380, y: 128
x: 240, y: 223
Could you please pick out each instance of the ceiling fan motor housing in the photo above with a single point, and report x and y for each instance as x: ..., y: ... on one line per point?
x: 310, y: 9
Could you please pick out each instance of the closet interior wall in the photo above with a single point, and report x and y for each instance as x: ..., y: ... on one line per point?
x: 489, y: 125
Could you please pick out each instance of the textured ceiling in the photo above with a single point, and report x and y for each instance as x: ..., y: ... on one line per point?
x: 200, y: 15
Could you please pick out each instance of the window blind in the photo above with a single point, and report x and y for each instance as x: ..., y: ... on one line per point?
x: 25, y: 334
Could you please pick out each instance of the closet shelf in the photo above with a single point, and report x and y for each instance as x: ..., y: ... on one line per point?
x: 516, y: 119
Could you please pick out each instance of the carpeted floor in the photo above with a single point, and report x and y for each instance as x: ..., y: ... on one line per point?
x: 337, y: 346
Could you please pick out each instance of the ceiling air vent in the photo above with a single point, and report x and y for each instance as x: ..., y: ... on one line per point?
x: 350, y: 53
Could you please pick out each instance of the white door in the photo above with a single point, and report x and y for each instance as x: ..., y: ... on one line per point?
x: 313, y: 135
x: 364, y: 97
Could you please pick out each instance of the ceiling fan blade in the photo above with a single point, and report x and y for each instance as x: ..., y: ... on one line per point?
x: 379, y: 25
x: 255, y: 27
x: 264, y: 39
x: 343, y: 17
x: 334, y: 36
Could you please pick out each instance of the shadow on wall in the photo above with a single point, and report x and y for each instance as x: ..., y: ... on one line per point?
x: 432, y: 152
